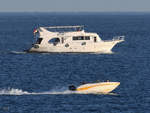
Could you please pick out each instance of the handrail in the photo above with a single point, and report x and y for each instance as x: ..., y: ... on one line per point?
x: 118, y: 38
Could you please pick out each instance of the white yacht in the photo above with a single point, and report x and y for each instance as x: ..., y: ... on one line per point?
x: 71, y: 39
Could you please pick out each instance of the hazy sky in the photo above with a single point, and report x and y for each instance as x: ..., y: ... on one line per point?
x: 74, y: 5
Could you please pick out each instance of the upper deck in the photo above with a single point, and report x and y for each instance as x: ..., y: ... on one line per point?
x: 64, y: 31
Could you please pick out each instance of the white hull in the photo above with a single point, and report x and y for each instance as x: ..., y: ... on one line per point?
x: 103, y: 87
x: 99, y: 47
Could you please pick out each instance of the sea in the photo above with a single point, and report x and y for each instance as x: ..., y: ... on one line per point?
x: 38, y: 82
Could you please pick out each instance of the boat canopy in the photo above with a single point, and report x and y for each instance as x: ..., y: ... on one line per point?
x: 58, y: 27
x: 65, y: 28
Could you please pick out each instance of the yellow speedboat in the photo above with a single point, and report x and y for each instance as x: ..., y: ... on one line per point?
x: 101, y: 87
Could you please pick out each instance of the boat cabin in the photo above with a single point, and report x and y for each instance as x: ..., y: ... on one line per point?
x: 60, y: 35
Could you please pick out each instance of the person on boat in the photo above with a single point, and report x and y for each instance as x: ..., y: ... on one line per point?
x: 79, y: 29
x: 72, y: 88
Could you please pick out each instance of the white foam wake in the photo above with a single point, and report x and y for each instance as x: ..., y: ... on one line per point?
x: 107, y: 52
x: 12, y: 91
x: 102, y: 52
x: 18, y: 52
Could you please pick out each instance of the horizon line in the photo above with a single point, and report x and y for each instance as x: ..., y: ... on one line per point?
x: 74, y: 11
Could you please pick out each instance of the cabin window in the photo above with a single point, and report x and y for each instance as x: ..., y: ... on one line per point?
x: 78, y: 38
x: 75, y: 38
x: 54, y: 40
x: 39, y: 40
x: 87, y: 37
x: 95, y: 39
x: 62, y: 40
x: 81, y: 38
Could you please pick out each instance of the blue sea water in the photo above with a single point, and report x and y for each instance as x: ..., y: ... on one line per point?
x: 37, y: 83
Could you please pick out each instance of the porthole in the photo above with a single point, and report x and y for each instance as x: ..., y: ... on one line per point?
x: 36, y: 46
x: 67, y: 45
x: 83, y: 43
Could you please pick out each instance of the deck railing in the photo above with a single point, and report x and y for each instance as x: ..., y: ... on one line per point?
x: 118, y: 38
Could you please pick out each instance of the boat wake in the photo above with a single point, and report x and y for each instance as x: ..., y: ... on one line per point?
x: 24, y: 52
x: 110, y: 52
x: 18, y: 52
x: 12, y: 91
x: 12, y: 52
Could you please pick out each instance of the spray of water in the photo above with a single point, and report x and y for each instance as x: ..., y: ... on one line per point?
x: 12, y: 91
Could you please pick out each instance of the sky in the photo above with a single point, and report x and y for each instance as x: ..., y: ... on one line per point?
x: 74, y: 5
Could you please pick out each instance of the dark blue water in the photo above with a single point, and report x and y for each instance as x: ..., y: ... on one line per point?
x: 37, y: 83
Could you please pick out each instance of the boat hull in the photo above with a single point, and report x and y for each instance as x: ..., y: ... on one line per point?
x: 100, y: 47
x: 103, y: 87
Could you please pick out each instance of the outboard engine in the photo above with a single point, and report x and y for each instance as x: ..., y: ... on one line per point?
x: 72, y: 88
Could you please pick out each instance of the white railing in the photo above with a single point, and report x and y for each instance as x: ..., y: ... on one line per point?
x: 118, y: 38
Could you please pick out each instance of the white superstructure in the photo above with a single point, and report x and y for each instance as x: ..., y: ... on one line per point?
x: 75, y: 39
